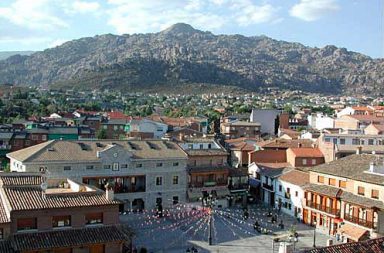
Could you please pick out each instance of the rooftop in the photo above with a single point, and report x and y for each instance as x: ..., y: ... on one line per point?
x: 58, y: 150
x: 296, y: 177
x: 307, y: 152
x: 352, y: 167
x: 373, y: 245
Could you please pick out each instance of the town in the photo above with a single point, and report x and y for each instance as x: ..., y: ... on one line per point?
x: 284, y: 171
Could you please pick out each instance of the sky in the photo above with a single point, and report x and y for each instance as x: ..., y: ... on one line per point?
x: 39, y: 24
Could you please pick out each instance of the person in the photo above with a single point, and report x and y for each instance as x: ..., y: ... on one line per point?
x: 256, y: 225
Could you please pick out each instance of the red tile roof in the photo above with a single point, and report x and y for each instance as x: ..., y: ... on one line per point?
x: 373, y: 245
x: 68, y: 238
x: 307, y: 152
x: 296, y: 177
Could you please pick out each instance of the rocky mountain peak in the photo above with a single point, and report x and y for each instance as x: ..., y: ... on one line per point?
x: 180, y: 28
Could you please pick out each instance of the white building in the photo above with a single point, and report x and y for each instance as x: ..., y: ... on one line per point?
x: 290, y: 193
x: 267, y: 118
x: 320, y: 121
x: 146, y: 127
x: 266, y: 179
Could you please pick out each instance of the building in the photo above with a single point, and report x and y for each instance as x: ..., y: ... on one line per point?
x: 239, y: 150
x: 146, y: 129
x: 115, y: 128
x: 338, y: 145
x: 267, y: 118
x: 345, y: 197
x: 208, y: 168
x: 143, y: 173
x: 290, y: 193
x: 239, y: 129
x: 304, y: 157
x: 357, y: 122
x: 374, y: 129
x: 59, y: 216
x: 263, y: 180
x: 320, y: 121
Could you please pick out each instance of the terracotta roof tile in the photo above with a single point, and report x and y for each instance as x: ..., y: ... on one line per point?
x: 31, y: 198
x: 307, y: 152
x: 296, y: 177
x: 68, y: 238
x: 368, y: 246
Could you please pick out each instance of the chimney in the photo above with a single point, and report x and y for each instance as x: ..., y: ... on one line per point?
x: 109, y: 193
x: 358, y: 150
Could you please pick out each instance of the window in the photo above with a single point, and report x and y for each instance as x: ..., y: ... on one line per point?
x: 313, y: 161
x: 342, y: 184
x: 44, y: 137
x: 320, y: 179
x: 289, y: 206
x: 26, y: 224
x: 159, y: 180
x: 124, y: 166
x: 201, y: 146
x: 1, y: 233
x: 296, y: 193
x: 370, y: 141
x: 209, y: 145
x: 332, y: 181
x: 35, y: 137
x: 89, y: 167
x: 105, y: 127
x: 93, y: 218
x: 355, y: 141
x: 327, y: 139
x: 288, y: 190
x: 375, y: 194
x: 115, y: 166
x: 159, y: 164
x: 61, y: 221
x: 159, y: 201
x: 280, y: 188
x: 342, y: 141
x: 107, y: 166
x: 175, y: 164
x: 115, y: 127
x: 360, y: 190
x: 175, y: 200
x: 67, y: 167
x: 175, y: 180
x: 334, y: 141
x: 139, y: 165
x: 304, y: 161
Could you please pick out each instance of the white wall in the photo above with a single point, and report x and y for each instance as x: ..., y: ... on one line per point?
x: 266, y: 117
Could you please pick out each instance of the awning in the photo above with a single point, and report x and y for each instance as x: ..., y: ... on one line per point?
x: 254, y: 182
x: 353, y: 232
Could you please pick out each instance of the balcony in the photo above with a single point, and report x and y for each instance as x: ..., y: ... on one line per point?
x: 359, y: 221
x: 207, y: 184
x: 268, y: 187
x: 323, y: 208
x: 238, y: 187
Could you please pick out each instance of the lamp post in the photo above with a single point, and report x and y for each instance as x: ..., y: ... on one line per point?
x: 314, y: 235
x: 209, y: 201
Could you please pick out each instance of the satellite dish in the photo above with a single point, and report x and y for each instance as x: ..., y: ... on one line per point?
x: 44, y: 186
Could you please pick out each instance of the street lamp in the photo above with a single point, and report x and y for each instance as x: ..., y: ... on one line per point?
x: 314, y: 235
x: 209, y: 201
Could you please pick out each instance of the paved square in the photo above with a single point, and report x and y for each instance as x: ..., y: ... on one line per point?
x: 187, y: 226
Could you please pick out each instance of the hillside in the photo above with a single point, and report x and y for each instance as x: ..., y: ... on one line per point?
x: 183, y: 55
x: 6, y: 54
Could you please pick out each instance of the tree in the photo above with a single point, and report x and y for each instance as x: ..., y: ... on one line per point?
x: 101, y: 134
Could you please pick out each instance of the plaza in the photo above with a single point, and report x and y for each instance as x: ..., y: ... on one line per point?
x: 187, y: 226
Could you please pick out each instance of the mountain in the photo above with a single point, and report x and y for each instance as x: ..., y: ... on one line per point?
x: 182, y: 55
x: 6, y: 54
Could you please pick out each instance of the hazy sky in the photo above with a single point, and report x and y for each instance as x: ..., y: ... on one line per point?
x: 39, y: 24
